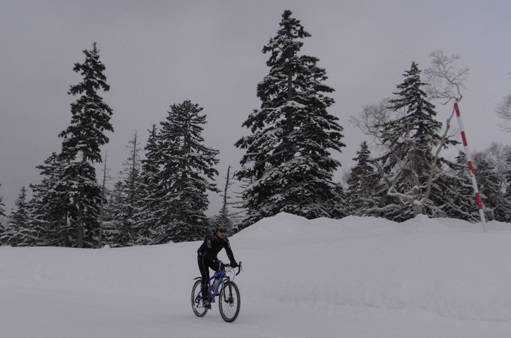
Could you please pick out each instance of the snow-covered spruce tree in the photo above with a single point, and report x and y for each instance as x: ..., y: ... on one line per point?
x: 131, y: 176
x: 50, y: 204
x: 186, y: 174
x: 81, y: 146
x: 19, y: 232
x: 2, y: 217
x: 498, y: 154
x: 496, y: 206
x: 109, y: 228
x: 507, y: 178
x: 2, y: 206
x: 362, y: 184
x: 127, y: 195
x: 455, y: 194
x: 287, y: 156
x: 409, y: 167
x: 148, y: 206
x: 496, y: 157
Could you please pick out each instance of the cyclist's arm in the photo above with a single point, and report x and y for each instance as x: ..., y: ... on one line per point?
x: 229, y: 253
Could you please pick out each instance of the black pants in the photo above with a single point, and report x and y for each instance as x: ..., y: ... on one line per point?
x: 204, y: 266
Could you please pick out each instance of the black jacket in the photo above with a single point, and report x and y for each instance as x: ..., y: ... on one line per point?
x: 211, y: 247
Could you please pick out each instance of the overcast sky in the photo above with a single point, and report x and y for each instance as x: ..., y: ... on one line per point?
x: 158, y: 53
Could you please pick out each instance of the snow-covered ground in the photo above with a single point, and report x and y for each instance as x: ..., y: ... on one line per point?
x: 353, y: 278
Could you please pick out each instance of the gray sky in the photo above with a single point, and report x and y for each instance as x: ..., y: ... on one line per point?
x: 158, y: 53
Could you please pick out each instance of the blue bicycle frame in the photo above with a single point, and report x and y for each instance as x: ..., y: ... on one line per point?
x: 219, y: 275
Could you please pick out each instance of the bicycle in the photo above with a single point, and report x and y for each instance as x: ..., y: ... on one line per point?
x: 222, y: 286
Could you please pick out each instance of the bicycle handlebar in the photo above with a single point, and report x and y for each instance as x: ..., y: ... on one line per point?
x: 239, y: 267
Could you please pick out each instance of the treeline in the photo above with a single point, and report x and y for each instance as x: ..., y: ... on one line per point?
x: 288, y: 166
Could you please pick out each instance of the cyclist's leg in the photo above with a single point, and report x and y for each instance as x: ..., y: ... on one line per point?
x: 204, y: 271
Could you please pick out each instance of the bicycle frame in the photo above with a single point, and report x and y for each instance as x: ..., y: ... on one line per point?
x: 221, y: 274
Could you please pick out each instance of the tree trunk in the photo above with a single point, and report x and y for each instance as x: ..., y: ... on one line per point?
x: 79, y: 234
x: 81, y: 212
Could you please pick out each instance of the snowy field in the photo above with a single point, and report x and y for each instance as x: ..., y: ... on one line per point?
x: 349, y: 278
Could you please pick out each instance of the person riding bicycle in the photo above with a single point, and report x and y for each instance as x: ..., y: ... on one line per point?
x: 207, y: 256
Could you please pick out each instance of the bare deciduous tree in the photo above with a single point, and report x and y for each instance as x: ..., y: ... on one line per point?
x: 444, y: 78
x: 504, y: 112
x: 372, y: 116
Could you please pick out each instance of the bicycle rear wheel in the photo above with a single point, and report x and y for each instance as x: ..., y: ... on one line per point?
x: 197, y: 306
x: 229, y: 302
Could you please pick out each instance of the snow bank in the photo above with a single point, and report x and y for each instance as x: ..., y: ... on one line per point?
x: 443, y: 268
x: 447, y: 267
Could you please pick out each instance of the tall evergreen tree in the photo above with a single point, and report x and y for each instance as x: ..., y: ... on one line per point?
x: 186, y: 174
x: 2, y: 206
x: 507, y: 177
x: 146, y: 216
x: 497, y: 154
x: 496, y: 206
x: 2, y: 216
x: 103, y: 214
x: 362, y: 182
x: 409, y: 167
x: 50, y: 204
x: 455, y: 194
x: 19, y: 231
x: 81, y: 146
x: 131, y: 177
x: 287, y: 156
x: 507, y: 180
x: 127, y: 195
x: 113, y: 219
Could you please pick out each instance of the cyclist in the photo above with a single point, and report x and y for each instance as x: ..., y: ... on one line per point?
x: 207, y: 256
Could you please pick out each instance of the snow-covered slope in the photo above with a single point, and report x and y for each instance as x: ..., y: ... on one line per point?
x: 355, y: 277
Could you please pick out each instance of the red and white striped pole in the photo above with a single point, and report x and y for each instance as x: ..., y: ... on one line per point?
x: 470, y: 167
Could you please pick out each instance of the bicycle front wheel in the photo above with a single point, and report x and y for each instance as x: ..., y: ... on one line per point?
x: 229, y: 302
x: 197, y: 306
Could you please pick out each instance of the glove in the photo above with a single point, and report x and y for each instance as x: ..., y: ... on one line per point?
x: 234, y: 265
